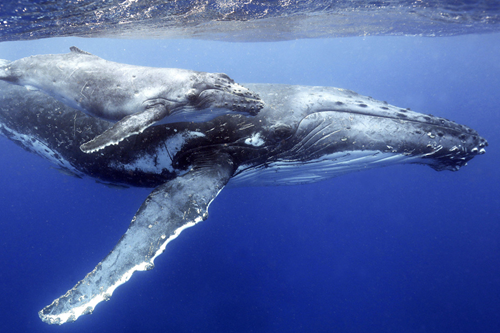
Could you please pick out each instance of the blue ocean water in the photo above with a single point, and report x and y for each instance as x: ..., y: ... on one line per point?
x: 398, y: 249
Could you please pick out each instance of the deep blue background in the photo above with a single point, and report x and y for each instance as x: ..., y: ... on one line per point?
x: 399, y: 249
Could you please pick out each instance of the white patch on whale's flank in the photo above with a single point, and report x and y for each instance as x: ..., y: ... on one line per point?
x: 296, y: 172
x: 33, y: 144
x: 31, y: 88
x: 162, y: 158
x: 73, y: 313
x: 255, y: 140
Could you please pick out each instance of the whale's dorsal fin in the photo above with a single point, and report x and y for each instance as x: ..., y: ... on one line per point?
x: 77, y: 50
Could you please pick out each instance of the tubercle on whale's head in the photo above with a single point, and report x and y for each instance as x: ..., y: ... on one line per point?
x: 451, y: 148
x: 440, y: 143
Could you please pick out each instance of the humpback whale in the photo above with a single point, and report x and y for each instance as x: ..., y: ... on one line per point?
x: 303, y: 134
x: 134, y: 97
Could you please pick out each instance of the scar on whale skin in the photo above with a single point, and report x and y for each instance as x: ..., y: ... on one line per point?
x: 134, y: 97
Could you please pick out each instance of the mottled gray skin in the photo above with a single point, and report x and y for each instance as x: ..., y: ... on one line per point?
x: 134, y: 96
x: 304, y: 134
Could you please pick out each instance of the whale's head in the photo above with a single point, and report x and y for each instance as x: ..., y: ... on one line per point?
x: 206, y: 96
x: 336, y: 132
x: 380, y: 139
x: 219, y: 91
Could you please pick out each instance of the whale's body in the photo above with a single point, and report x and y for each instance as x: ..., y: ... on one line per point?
x: 302, y: 135
x: 135, y: 97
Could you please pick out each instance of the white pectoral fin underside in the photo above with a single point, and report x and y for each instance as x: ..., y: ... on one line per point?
x: 169, y: 209
x: 130, y: 125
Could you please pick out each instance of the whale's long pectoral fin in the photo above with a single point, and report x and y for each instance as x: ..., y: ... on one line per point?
x: 130, y: 125
x: 169, y: 209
